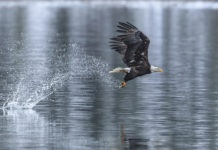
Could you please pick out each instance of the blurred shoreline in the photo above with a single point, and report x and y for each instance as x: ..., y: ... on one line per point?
x: 197, y: 1
x: 182, y: 4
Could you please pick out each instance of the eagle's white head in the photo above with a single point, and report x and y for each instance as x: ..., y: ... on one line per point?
x: 156, y: 69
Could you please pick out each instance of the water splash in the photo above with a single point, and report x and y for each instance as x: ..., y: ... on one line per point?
x: 33, y: 87
x: 29, y: 92
x: 91, y: 67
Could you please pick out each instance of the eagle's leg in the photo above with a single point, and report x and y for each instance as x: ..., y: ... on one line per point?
x: 120, y: 70
x: 123, y: 84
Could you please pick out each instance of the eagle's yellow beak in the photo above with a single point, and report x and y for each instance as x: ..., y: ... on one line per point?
x: 160, y: 70
x: 123, y: 84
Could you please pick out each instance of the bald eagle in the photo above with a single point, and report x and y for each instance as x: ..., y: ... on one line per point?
x: 133, y: 45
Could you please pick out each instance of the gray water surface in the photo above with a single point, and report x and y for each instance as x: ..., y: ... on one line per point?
x: 56, y: 57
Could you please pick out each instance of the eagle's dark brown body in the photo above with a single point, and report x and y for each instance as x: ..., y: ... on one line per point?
x: 133, y: 45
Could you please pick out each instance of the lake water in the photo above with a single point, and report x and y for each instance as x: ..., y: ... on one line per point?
x: 57, y: 93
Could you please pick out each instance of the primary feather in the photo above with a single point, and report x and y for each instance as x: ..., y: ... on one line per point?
x: 132, y: 44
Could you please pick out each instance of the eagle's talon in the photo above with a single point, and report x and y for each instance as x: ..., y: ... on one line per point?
x: 123, y: 84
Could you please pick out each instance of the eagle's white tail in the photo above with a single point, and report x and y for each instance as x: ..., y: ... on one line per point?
x: 120, y: 70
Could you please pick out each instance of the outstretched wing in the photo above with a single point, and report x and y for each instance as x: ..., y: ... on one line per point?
x: 132, y: 44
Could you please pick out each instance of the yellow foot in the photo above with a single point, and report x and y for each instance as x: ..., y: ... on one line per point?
x: 123, y: 84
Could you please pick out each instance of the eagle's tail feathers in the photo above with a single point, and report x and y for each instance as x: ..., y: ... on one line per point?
x: 120, y: 70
